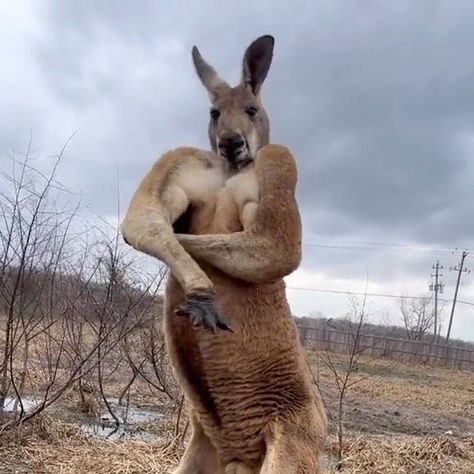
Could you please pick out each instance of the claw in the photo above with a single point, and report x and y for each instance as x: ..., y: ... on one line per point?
x: 202, y: 311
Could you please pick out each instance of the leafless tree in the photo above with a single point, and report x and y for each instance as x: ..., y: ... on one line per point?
x: 343, y: 365
x: 418, y: 317
x: 342, y: 369
x: 33, y: 235
x: 69, y: 300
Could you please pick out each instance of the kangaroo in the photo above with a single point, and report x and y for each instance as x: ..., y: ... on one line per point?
x: 252, y: 405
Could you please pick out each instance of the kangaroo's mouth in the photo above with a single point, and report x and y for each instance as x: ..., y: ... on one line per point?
x: 238, y: 160
x: 241, y: 163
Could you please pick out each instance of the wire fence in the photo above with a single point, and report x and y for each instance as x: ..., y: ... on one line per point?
x: 406, y: 350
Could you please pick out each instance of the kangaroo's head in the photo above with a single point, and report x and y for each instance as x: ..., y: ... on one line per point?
x: 238, y: 124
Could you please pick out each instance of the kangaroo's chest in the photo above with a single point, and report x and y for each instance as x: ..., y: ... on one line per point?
x: 228, y: 209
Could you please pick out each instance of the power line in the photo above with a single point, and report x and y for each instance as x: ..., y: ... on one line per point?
x: 407, y: 249
x: 385, y: 244
x: 361, y: 293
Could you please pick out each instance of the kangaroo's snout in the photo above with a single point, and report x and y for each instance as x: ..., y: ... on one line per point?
x: 231, y: 146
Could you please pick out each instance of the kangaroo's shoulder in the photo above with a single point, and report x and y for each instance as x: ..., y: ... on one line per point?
x: 275, y: 166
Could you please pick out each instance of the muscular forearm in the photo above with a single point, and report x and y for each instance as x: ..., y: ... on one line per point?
x: 255, y: 259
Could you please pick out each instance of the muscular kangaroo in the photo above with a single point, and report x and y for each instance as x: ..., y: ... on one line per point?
x: 251, y: 401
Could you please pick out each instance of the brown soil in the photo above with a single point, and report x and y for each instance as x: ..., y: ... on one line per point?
x: 399, y: 419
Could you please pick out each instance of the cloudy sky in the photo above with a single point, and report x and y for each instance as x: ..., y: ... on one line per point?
x: 376, y: 100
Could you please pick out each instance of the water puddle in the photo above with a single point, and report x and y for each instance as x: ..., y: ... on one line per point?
x: 13, y: 406
x: 130, y: 417
x: 113, y: 432
x: 131, y: 414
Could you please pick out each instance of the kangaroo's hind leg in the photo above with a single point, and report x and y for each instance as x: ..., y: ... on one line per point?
x: 200, y: 456
x: 293, y: 449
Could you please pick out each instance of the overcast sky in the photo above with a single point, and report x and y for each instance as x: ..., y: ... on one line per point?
x: 375, y: 99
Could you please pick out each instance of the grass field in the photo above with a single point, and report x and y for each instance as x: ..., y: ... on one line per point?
x: 399, y: 419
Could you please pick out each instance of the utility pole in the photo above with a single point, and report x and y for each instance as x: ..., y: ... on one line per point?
x: 460, y: 269
x: 437, y: 287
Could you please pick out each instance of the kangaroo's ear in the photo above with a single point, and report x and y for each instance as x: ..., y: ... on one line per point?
x: 257, y: 60
x: 206, y: 73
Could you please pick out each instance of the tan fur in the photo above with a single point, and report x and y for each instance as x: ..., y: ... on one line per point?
x: 249, y: 390
x: 252, y: 404
x: 162, y: 196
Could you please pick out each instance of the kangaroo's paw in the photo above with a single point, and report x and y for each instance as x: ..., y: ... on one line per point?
x: 202, y: 311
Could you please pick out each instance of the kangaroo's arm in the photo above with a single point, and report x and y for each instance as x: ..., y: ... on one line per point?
x: 270, y: 247
x: 162, y: 197
x: 148, y: 224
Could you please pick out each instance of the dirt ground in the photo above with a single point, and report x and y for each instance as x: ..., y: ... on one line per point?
x: 399, y: 419
x: 391, y: 398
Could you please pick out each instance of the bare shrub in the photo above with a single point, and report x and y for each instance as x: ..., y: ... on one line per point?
x: 74, y: 306
x: 418, y: 317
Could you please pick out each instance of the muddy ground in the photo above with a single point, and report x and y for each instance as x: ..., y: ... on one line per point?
x: 406, y: 419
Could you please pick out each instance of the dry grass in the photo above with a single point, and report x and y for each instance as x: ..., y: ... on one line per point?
x: 51, y: 446
x: 48, y: 445
x: 408, y: 455
x: 442, y: 389
x: 447, y: 390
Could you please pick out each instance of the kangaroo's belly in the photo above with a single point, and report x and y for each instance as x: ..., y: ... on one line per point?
x: 237, y: 382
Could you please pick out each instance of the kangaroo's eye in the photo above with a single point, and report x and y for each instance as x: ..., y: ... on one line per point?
x: 215, y: 114
x: 251, y: 111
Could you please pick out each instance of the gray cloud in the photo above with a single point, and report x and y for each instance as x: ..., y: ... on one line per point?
x: 375, y: 99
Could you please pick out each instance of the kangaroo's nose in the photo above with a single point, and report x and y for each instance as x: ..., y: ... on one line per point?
x: 231, y: 145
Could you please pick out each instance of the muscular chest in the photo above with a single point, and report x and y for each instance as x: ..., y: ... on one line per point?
x: 225, y: 210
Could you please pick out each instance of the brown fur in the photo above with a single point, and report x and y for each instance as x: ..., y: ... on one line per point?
x: 250, y: 393
x: 178, y: 179
x: 252, y: 403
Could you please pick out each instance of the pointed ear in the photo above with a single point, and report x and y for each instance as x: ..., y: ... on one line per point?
x: 257, y: 60
x: 206, y: 72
